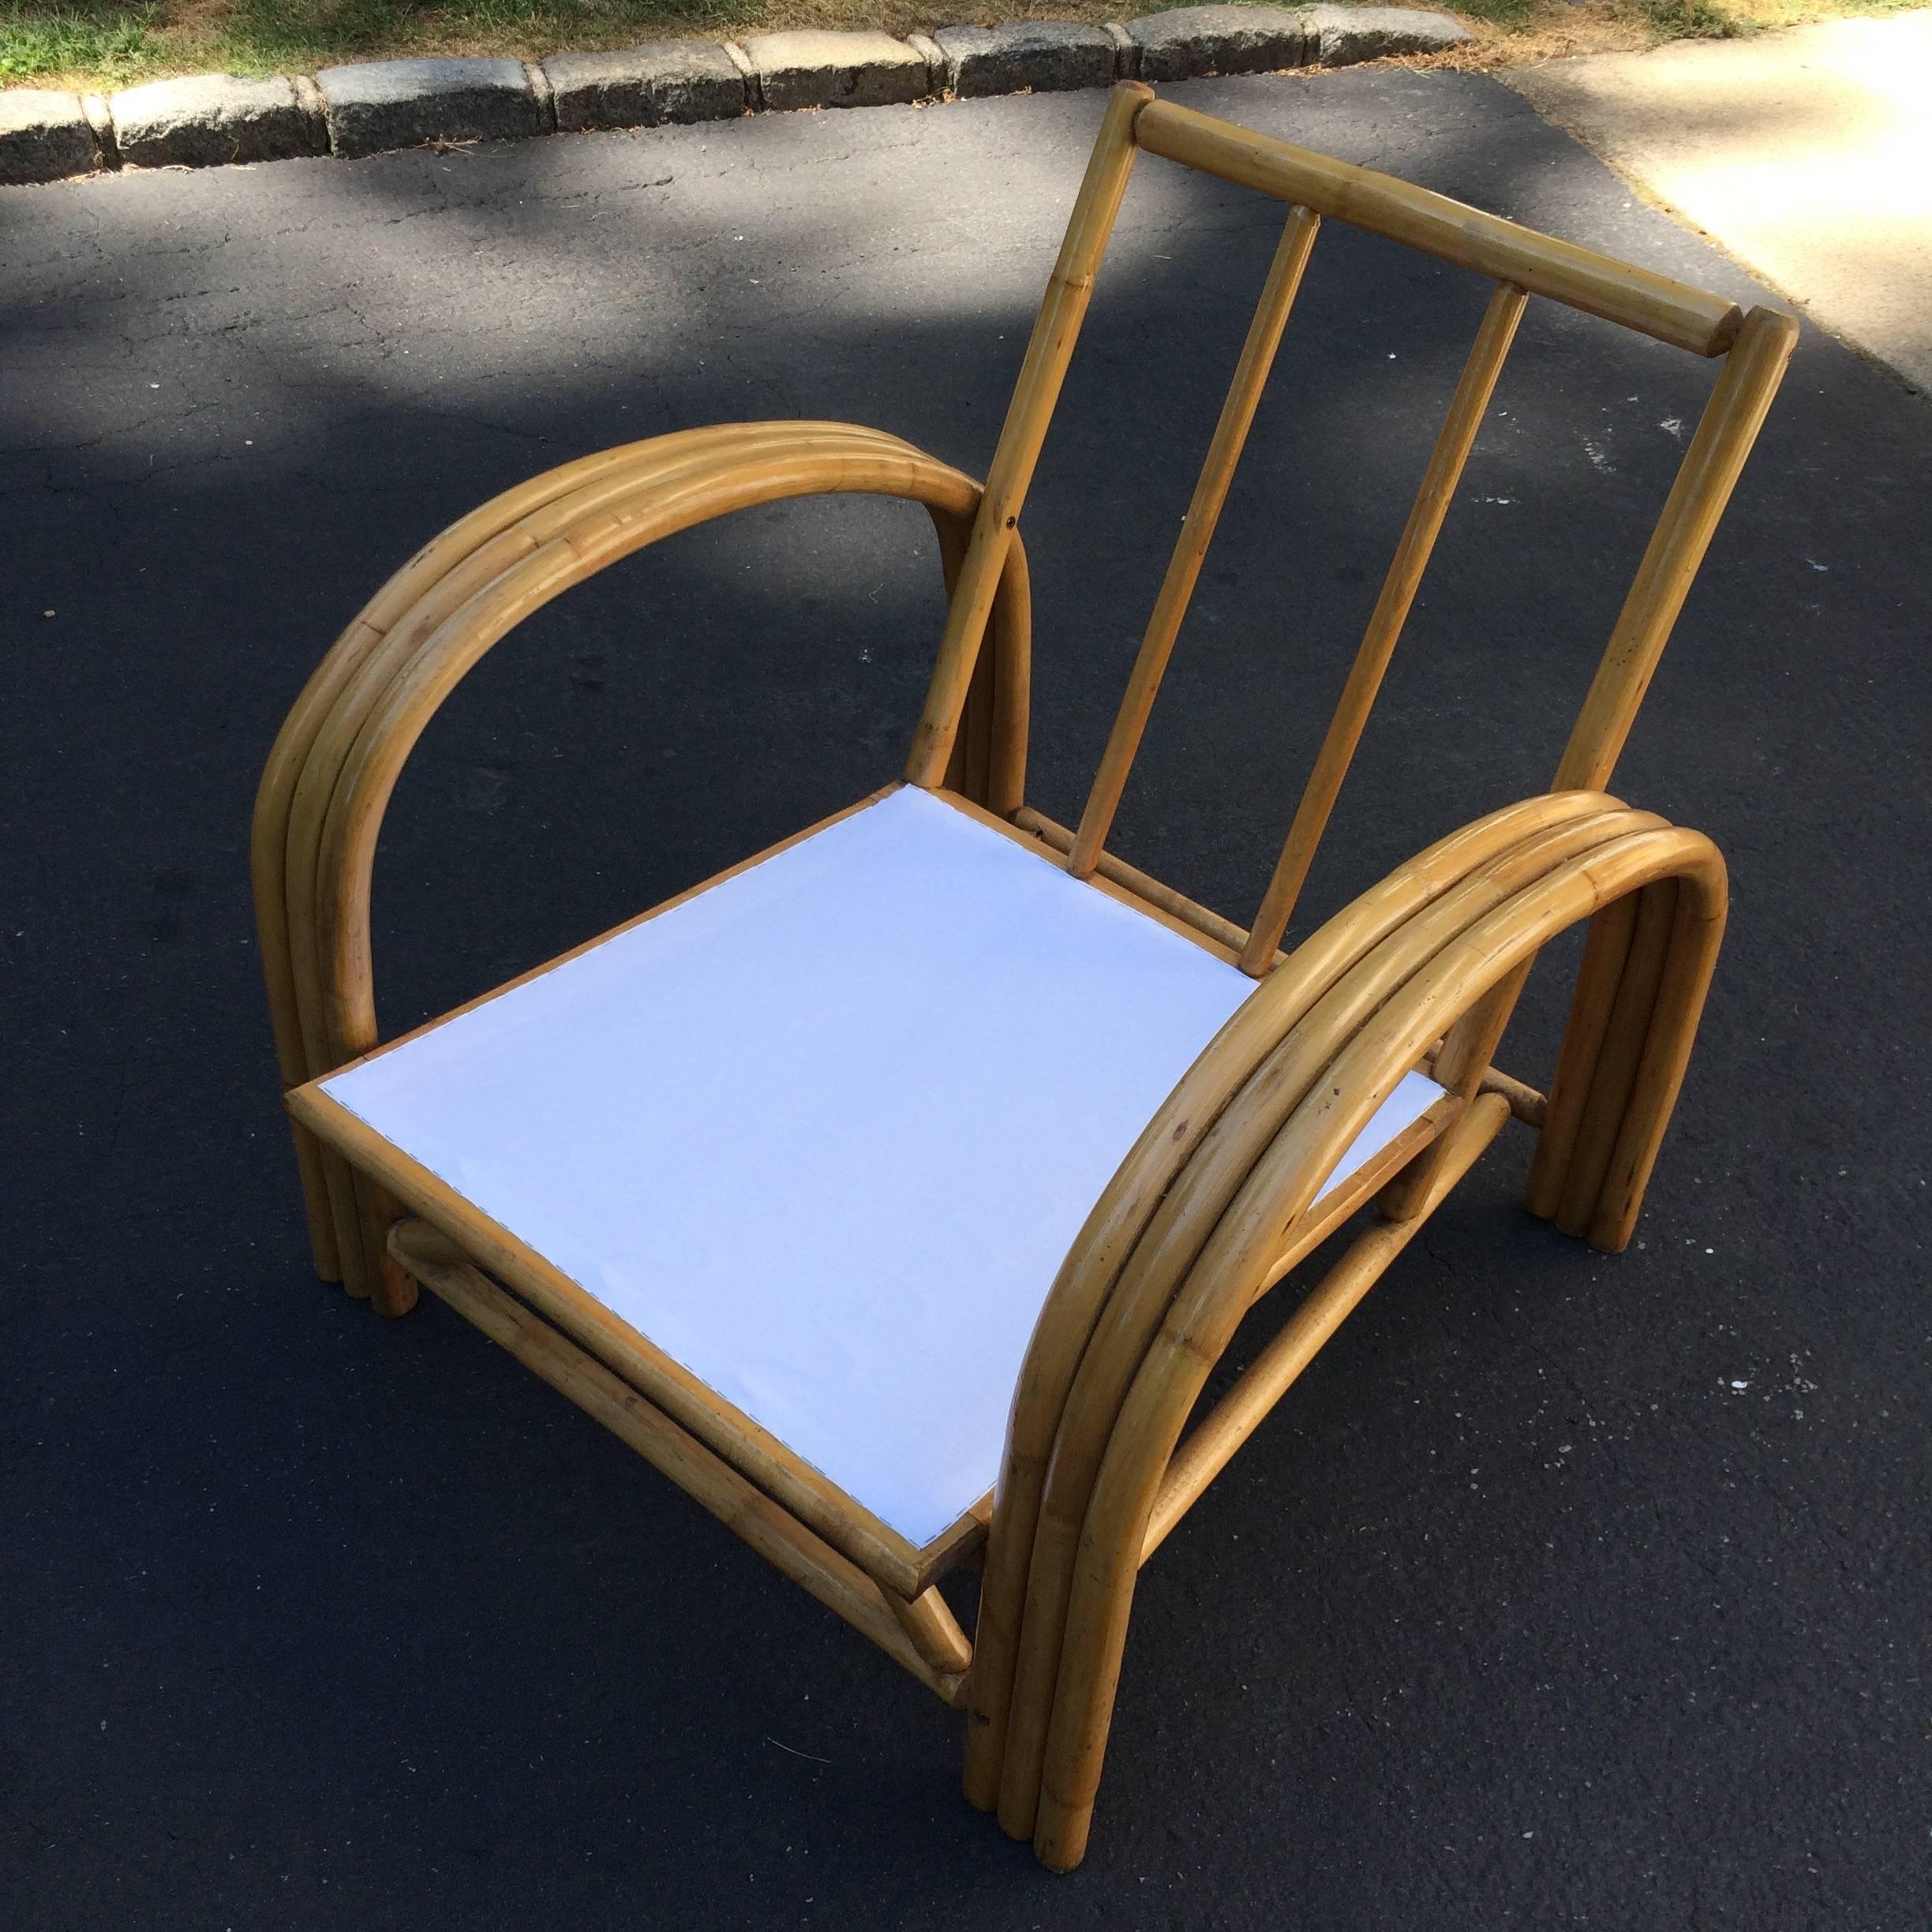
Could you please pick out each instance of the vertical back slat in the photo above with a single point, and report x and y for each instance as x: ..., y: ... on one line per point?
x: 1048, y: 352
x: 1197, y: 530
x: 1458, y: 435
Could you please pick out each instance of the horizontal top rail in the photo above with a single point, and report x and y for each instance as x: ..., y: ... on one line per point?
x: 1672, y: 311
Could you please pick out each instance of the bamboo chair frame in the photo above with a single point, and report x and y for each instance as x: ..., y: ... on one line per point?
x: 1222, y: 1194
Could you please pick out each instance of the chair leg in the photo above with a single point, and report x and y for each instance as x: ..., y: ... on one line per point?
x: 1640, y: 992
x: 392, y: 1288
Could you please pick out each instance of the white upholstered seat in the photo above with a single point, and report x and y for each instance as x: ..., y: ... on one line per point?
x: 823, y: 1132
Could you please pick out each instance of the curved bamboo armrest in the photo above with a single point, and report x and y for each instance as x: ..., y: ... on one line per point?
x: 1216, y: 1188
x: 334, y: 766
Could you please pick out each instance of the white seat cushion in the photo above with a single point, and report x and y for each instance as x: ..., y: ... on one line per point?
x: 824, y: 1132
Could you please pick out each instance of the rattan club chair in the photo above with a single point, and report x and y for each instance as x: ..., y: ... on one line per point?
x: 895, y: 1192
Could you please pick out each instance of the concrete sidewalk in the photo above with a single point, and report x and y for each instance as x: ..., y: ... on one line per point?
x: 1806, y: 155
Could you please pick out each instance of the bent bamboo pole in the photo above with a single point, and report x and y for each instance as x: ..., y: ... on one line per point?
x: 1107, y: 1240
x: 1237, y: 1251
x: 321, y: 739
x: 1172, y: 1242
x: 295, y: 741
x: 645, y: 471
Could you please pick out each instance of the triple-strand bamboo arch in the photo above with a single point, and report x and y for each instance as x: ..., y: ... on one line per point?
x: 1227, y: 1189
x: 334, y: 765
x: 1199, y: 1220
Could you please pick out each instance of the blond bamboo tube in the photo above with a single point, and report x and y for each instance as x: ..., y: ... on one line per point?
x: 1197, y: 530
x: 1237, y: 1253
x: 1050, y: 348
x: 1171, y: 1245
x: 1604, y: 951
x: 1461, y: 1067
x: 1655, y: 305
x: 1227, y: 935
x: 1614, y: 1075
x: 1704, y: 480
x: 1453, y: 443
x: 345, y: 848
x: 1086, y: 1280
x: 933, y: 1631
x: 294, y: 743
x: 442, y: 1266
x: 1335, y: 1207
x: 307, y: 760
x: 876, y: 1550
x: 1013, y: 688
x: 316, y: 739
x: 653, y: 470
x: 1211, y: 1445
x: 1526, y: 1103
x: 1687, y: 976
x: 268, y: 838
x: 999, y: 700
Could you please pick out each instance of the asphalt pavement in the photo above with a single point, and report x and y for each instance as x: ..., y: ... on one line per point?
x: 1562, y: 1591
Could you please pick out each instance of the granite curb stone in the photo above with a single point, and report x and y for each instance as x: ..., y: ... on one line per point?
x: 101, y: 120
x: 206, y: 120
x: 544, y: 94
x: 1047, y: 56
x: 376, y: 105
x: 1191, y: 42
x: 933, y: 56
x: 372, y: 107
x: 45, y: 135
x: 813, y: 69
x: 1344, y: 35
x: 649, y: 86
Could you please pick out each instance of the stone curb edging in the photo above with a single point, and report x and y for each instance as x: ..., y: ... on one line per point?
x: 375, y: 106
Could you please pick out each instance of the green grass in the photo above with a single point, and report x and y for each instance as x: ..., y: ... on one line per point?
x: 1504, y: 13
x: 109, y: 43
x: 105, y: 44
x: 1681, y: 20
x: 35, y: 40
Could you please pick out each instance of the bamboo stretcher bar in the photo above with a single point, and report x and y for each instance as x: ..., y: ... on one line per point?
x: 934, y: 1632
x: 1654, y: 304
x: 778, y: 1536
x: 872, y: 1546
x: 1212, y: 1446
x: 1197, y: 530
x: 1525, y: 1103
x: 1225, y: 933
x: 1453, y: 445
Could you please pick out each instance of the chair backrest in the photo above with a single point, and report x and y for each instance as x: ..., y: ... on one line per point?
x: 1753, y: 350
